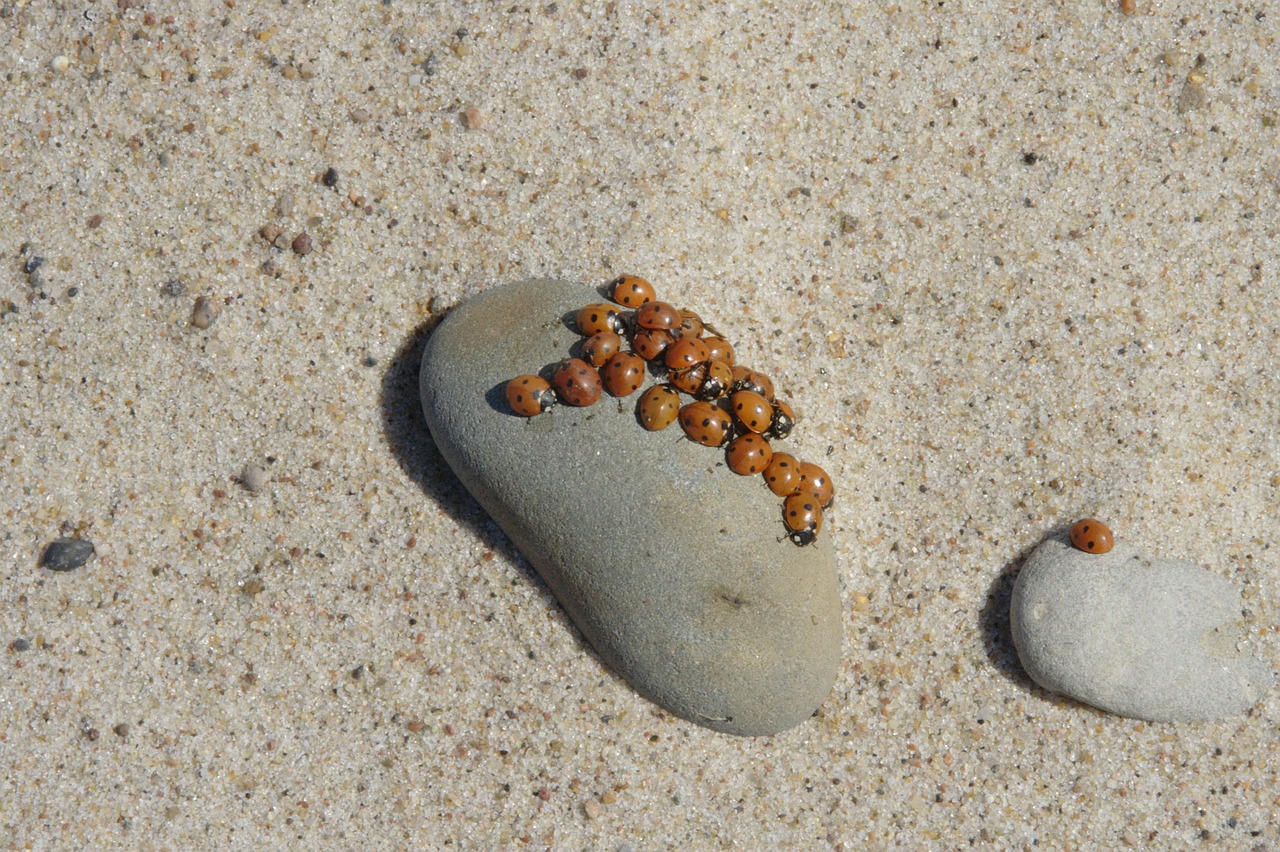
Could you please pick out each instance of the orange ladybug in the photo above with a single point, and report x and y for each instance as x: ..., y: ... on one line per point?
x: 1091, y: 536
x: 631, y: 291
x: 529, y: 396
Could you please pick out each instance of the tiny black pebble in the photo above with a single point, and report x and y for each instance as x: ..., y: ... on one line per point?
x: 72, y: 292
x: 33, y: 263
x: 370, y: 361
x: 66, y: 554
x: 330, y: 177
x: 20, y: 645
x: 1030, y: 158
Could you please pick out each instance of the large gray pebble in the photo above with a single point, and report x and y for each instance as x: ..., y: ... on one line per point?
x: 1134, y: 635
x: 673, y: 567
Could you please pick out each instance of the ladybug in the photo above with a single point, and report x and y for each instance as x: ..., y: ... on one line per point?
x: 814, y: 480
x: 530, y: 395
x: 658, y: 315
x: 784, y: 420
x: 715, y: 382
x: 685, y: 353
x: 783, y: 474
x: 631, y: 291
x: 691, y: 325
x: 576, y: 382
x: 745, y: 378
x: 623, y: 374
x: 706, y: 424
x: 748, y: 454
x: 600, y: 347
x: 1091, y: 536
x: 658, y: 407
x: 599, y: 317
x: 803, y: 517
x: 650, y: 343
x: 720, y: 349
x: 752, y: 410
x: 688, y: 380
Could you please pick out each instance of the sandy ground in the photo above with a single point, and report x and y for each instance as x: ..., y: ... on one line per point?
x: 1014, y: 264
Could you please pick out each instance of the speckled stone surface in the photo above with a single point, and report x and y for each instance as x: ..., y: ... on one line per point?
x: 676, y: 569
x: 1133, y: 634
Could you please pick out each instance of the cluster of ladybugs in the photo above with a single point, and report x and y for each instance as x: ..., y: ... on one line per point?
x: 733, y: 407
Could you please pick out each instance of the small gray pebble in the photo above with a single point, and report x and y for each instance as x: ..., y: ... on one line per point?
x: 173, y: 288
x: 205, y: 312
x: 284, y: 206
x: 1132, y: 634
x: 66, y: 554
x: 253, y: 478
x: 19, y: 645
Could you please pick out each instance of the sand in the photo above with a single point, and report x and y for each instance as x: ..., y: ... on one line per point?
x: 1014, y: 265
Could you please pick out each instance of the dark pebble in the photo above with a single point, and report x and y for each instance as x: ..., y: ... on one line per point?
x: 330, y: 177
x: 66, y: 554
x: 302, y: 244
x: 33, y: 263
x: 20, y: 645
x: 122, y: 730
x: 173, y: 288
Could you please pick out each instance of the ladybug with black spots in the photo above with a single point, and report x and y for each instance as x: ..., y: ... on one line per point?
x: 803, y: 517
x: 631, y: 291
x: 623, y: 374
x: 658, y: 407
x: 1092, y: 536
x: 576, y: 382
x: 530, y: 395
x: 748, y: 454
x: 706, y: 424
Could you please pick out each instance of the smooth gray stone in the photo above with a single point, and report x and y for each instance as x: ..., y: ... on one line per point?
x: 673, y: 567
x: 1132, y: 634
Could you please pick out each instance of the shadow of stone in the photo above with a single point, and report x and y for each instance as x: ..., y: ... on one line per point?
x: 411, y: 444
x: 410, y: 441
x: 997, y: 637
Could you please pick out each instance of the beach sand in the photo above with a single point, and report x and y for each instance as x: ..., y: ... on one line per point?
x: 1014, y: 265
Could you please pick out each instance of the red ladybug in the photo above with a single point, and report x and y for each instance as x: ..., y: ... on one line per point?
x: 623, y: 374
x: 748, y: 454
x: 715, y: 381
x: 1091, y: 536
x: 576, y: 382
x: 688, y: 380
x: 706, y: 424
x: 783, y: 474
x: 720, y: 350
x: 650, y: 343
x: 784, y: 420
x: 658, y: 315
x: 600, y: 347
x: 530, y: 395
x: 685, y: 353
x: 752, y: 410
x: 631, y: 291
x: 658, y: 407
x: 814, y: 480
x: 690, y: 326
x: 745, y: 378
x: 599, y: 317
x: 803, y: 517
